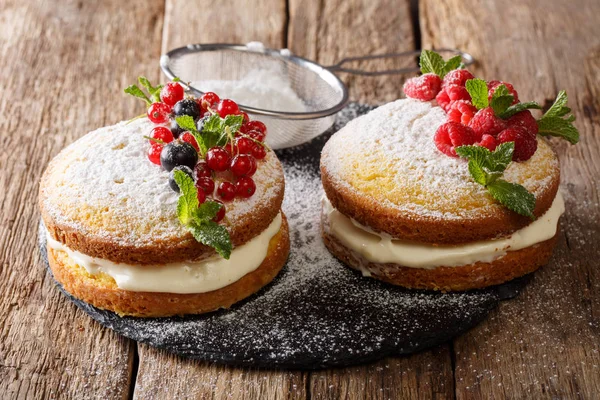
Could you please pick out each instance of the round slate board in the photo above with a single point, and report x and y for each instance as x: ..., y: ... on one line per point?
x: 317, y: 313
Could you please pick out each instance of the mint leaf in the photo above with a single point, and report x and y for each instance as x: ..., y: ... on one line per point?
x: 513, y: 196
x: 187, y: 122
x: 214, y: 235
x: 501, y: 157
x: 452, y: 64
x: 517, y: 108
x: 188, y: 201
x: 212, y: 124
x: 501, y: 99
x: 154, y: 91
x: 207, y: 211
x: 478, y: 90
x: 135, y: 91
x: 234, y: 122
x: 430, y: 61
x: 559, y: 108
x: 553, y: 122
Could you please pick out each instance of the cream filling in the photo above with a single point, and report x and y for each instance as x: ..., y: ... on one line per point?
x: 382, y: 248
x: 181, y: 277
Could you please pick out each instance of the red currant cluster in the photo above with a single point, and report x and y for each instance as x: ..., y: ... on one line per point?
x: 227, y: 168
x: 466, y: 124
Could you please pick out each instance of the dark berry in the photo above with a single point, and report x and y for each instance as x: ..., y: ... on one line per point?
x: 154, y: 153
x: 206, y: 184
x: 245, y: 187
x: 486, y: 122
x: 171, y: 93
x: 202, y: 170
x: 258, y: 151
x: 187, y: 107
x: 181, y: 168
x: 159, y: 113
x: 218, y: 159
x: 451, y: 135
x: 226, y: 191
x: 424, y: 87
x: 189, y: 138
x: 492, y: 85
x: 488, y: 142
x: 461, y: 111
x: 525, y: 144
x: 176, y: 130
x: 178, y: 153
x: 201, y: 122
x: 525, y: 120
x: 221, y: 213
x: 243, y: 165
x: 162, y: 133
x: 227, y: 107
x: 244, y: 145
x: 457, y: 77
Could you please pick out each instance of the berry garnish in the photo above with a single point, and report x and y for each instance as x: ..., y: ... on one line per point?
x: 178, y: 153
x: 227, y: 107
x: 209, y: 100
x: 525, y: 144
x: 154, y: 152
x: 486, y: 122
x: 161, y: 133
x: 450, y: 94
x: 461, y: 111
x: 245, y: 117
x: 201, y: 196
x: 221, y: 213
x: 202, y: 170
x: 245, y: 187
x: 243, y: 165
x: 457, y: 77
x: 176, y: 130
x: 181, y: 168
x: 488, y: 142
x: 258, y: 151
x: 424, y: 87
x: 256, y: 126
x: 493, y: 85
x: 525, y: 120
x: 244, y: 145
x: 189, y: 138
x: 186, y: 107
x: 159, y: 113
x: 218, y: 159
x: 226, y: 191
x: 256, y: 135
x: 206, y: 184
x: 451, y: 135
x: 171, y: 93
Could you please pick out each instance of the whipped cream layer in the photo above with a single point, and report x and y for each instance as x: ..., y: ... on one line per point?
x: 181, y: 277
x: 381, y: 248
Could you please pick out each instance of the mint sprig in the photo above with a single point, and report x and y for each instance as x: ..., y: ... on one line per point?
x: 187, y: 122
x: 478, y: 91
x: 217, y: 131
x: 487, y: 167
x: 517, y: 108
x: 501, y: 99
x: 153, y: 91
x: 432, y: 62
x: 198, y: 218
x: 557, y: 121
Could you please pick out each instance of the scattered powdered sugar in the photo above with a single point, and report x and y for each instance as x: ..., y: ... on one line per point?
x: 317, y: 312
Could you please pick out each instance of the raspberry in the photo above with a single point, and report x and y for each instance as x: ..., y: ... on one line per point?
x: 492, y: 85
x: 457, y: 77
x: 525, y: 120
x: 451, y: 93
x: 451, y: 135
x: 424, y: 87
x: 485, y: 121
x: 488, y: 142
x: 525, y: 144
x: 461, y: 111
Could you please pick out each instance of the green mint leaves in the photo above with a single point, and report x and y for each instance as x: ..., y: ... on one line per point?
x: 487, y: 167
x: 430, y: 61
x: 153, y: 91
x: 217, y: 131
x: 198, y: 218
x: 187, y: 122
x: 478, y: 90
x: 501, y: 99
x: 557, y: 121
x: 517, y: 108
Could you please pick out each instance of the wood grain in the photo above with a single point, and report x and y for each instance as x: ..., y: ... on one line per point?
x: 328, y: 31
x: 62, y: 66
x: 545, y: 343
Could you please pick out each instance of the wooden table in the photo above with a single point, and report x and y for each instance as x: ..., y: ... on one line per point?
x: 63, y: 69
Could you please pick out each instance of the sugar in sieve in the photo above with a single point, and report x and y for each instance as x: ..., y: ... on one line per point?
x: 321, y: 91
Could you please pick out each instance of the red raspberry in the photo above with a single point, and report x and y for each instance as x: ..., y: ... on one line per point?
x: 189, y: 138
x: 485, y: 121
x: 488, y: 142
x: 525, y: 144
x: 457, y: 77
x: 461, y: 111
x: 451, y: 135
x: 451, y: 93
x: 492, y: 85
x: 525, y: 120
x: 424, y: 87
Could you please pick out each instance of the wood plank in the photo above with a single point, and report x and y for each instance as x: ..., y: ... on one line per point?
x: 160, y: 373
x: 327, y: 32
x: 64, y: 67
x: 545, y: 343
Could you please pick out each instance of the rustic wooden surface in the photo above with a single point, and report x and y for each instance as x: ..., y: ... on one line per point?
x: 63, y: 70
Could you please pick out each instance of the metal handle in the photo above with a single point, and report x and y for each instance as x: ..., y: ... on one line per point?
x: 466, y: 57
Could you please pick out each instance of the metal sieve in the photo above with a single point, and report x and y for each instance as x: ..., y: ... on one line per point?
x: 321, y: 91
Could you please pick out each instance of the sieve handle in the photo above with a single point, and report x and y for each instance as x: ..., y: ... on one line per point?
x: 466, y: 57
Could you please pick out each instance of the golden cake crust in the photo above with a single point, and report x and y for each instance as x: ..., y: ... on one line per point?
x: 101, y: 290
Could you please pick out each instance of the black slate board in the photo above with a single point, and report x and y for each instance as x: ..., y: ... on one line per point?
x: 317, y: 313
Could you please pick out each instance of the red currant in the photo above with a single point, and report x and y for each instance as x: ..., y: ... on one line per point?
x: 206, y: 184
x: 245, y: 187
x: 162, y: 133
x: 189, y: 138
x: 227, y: 107
x: 244, y: 145
x: 245, y: 117
x: 171, y: 93
x: 209, y: 99
x: 154, y: 153
x: 256, y: 126
x: 218, y: 159
x: 226, y: 191
x: 203, y: 171
x: 257, y: 135
x: 258, y: 151
x: 159, y: 113
x: 243, y: 165
x: 221, y: 213
x: 201, y: 196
